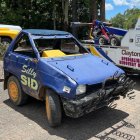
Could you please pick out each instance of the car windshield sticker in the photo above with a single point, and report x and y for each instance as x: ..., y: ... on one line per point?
x: 28, y: 81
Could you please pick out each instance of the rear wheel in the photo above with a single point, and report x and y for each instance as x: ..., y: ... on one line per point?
x: 16, y: 95
x: 114, y: 41
x: 53, y: 108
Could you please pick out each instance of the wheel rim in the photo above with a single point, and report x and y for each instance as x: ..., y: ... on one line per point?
x: 48, y: 109
x: 101, y: 41
x: 13, y: 91
x: 113, y: 42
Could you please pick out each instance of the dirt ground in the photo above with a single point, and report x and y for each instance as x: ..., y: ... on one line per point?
x: 29, y: 122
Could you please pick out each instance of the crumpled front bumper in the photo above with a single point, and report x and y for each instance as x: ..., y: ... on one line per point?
x: 102, y: 97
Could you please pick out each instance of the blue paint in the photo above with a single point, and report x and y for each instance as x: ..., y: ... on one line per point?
x: 88, y: 69
x: 116, y: 31
x: 112, y: 30
x: 56, y: 73
x: 102, y: 53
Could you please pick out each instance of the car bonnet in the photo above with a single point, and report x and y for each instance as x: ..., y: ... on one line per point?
x: 85, y: 69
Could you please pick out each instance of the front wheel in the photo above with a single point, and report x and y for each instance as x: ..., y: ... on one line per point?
x: 102, y: 40
x: 53, y: 108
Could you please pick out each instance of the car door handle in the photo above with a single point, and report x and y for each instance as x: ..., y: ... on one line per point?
x: 34, y: 60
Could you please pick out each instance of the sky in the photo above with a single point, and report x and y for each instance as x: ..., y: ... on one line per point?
x: 113, y: 7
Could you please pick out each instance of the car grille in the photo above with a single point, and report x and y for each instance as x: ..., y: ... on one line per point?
x: 108, y: 85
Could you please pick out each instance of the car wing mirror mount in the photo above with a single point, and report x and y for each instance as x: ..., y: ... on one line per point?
x: 34, y: 60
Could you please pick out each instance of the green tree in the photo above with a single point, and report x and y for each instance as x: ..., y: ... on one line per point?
x: 42, y: 13
x: 126, y: 20
x: 118, y: 21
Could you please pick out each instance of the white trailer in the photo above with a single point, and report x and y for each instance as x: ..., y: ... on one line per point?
x: 127, y: 55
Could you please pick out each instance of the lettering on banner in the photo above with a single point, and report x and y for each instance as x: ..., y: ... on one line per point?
x: 130, y: 58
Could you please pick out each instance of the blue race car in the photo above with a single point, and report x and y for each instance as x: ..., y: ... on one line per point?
x: 54, y: 67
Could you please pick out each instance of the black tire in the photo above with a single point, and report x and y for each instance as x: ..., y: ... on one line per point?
x: 114, y: 41
x: 53, y: 108
x: 102, y: 40
x: 16, y: 95
x: 6, y: 41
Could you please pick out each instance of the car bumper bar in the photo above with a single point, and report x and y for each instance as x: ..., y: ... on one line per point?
x: 78, y: 107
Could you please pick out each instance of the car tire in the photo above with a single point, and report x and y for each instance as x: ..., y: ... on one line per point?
x: 102, y: 40
x: 16, y: 95
x: 114, y: 41
x: 53, y: 108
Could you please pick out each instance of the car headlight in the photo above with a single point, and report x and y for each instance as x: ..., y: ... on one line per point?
x: 121, y: 79
x: 81, y: 89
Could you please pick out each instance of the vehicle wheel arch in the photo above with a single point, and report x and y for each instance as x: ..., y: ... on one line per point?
x: 8, y: 37
x: 42, y: 95
x: 7, y: 75
x: 44, y: 89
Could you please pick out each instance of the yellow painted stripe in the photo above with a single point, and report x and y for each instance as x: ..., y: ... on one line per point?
x: 94, y: 51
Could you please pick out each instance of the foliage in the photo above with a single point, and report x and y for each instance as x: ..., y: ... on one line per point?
x: 28, y: 14
x: 3, y: 48
x: 126, y: 20
x: 51, y: 13
x: 39, y: 13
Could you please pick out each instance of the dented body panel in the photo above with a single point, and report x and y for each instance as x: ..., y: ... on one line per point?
x: 64, y: 74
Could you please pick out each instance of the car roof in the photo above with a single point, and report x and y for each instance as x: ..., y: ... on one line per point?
x: 45, y: 32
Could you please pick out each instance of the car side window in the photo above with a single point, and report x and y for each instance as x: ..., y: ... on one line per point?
x: 24, y: 47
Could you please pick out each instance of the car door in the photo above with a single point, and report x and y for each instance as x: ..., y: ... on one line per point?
x: 24, y: 64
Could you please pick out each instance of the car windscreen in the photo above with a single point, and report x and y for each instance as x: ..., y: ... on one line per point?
x: 66, y: 45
